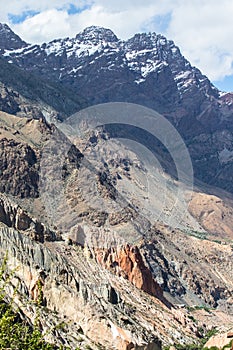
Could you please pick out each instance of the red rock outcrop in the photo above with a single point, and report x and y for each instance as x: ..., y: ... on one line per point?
x: 127, y: 262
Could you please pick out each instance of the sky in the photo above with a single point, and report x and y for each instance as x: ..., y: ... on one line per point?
x: 203, y: 29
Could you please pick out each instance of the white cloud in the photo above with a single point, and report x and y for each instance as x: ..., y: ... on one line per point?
x: 201, y: 28
x: 16, y: 7
x: 125, y: 18
x: 124, y: 23
x: 44, y: 27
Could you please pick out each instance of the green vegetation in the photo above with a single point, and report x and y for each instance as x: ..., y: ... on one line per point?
x: 197, y: 234
x: 199, y: 307
x: 197, y: 346
x: 16, y: 334
x: 192, y: 318
x: 217, y: 241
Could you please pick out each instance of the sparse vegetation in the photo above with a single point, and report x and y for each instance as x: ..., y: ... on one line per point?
x: 197, y: 234
x: 199, y: 307
x: 196, y: 346
x: 15, y: 333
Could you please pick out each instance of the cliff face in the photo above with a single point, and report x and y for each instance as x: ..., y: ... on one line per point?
x: 86, y: 298
x: 8, y: 39
x: 12, y: 215
x: 195, y: 270
x: 13, y: 103
x: 19, y: 163
x: 20, y: 145
x: 99, y: 297
x: 128, y: 263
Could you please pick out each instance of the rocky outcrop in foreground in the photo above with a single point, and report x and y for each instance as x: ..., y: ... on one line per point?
x: 86, y: 303
x: 12, y: 215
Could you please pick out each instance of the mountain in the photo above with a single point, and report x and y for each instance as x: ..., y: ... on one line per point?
x: 149, y: 70
x: 9, y: 40
x: 103, y: 68
x: 109, y: 273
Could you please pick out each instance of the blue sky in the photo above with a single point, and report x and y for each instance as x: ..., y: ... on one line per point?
x: 202, y: 29
x: 225, y: 84
x: 19, y: 18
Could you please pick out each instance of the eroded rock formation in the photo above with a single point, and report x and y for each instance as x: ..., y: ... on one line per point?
x: 128, y: 263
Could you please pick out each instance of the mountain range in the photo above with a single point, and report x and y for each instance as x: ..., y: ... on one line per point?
x: 97, y: 67
x: 114, y: 279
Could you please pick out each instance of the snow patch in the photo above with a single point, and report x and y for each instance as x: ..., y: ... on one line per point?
x: 74, y: 70
x: 16, y: 51
x: 139, y: 81
x: 174, y: 50
x: 54, y: 47
x: 163, y: 41
x: 183, y: 75
x: 134, y: 53
x: 222, y: 93
x: 151, y: 66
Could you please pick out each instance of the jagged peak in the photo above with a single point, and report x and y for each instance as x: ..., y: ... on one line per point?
x: 8, y: 39
x: 97, y: 34
x: 4, y: 27
x: 149, y: 40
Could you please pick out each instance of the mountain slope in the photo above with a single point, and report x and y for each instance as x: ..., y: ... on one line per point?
x: 116, y: 276
x: 38, y: 91
x: 149, y: 70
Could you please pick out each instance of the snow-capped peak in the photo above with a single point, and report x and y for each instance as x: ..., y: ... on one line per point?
x: 97, y: 34
x: 91, y: 40
x: 144, y: 55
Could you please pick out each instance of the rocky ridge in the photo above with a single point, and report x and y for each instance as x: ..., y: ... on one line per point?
x: 147, y: 69
x: 142, y: 63
x: 12, y: 215
x: 9, y: 40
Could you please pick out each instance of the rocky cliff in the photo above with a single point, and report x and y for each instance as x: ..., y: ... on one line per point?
x: 12, y: 215
x: 95, y: 306
x: 9, y: 40
x: 128, y: 263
